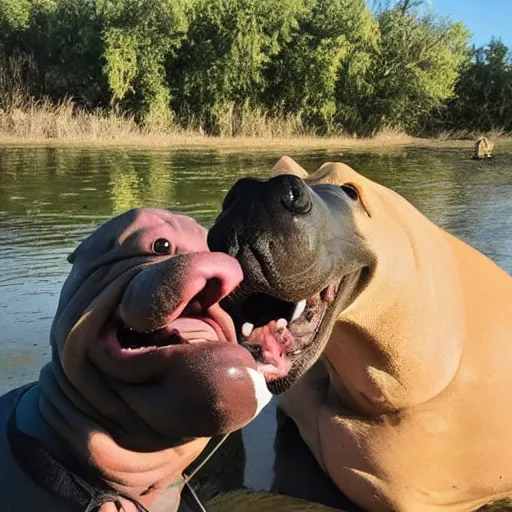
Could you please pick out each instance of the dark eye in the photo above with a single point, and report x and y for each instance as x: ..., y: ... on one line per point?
x: 351, y: 192
x: 162, y: 246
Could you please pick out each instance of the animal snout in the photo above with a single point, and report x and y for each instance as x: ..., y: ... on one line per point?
x: 188, y: 282
x: 256, y: 213
x: 286, y: 191
x: 211, y: 275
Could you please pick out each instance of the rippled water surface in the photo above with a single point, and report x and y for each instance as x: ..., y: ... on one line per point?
x: 51, y: 198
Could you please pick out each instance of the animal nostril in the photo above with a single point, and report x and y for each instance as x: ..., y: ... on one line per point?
x: 296, y: 197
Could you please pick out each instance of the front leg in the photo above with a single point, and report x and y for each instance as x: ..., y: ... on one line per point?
x: 297, y: 466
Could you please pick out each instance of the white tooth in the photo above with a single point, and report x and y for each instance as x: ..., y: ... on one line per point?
x: 247, y: 329
x: 299, y: 309
x: 296, y: 352
x: 281, y: 324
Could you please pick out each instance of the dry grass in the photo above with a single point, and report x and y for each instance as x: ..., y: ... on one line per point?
x: 31, y: 122
x: 390, y: 135
x: 451, y: 135
x: 26, y: 121
x: 46, y: 123
x: 243, y: 121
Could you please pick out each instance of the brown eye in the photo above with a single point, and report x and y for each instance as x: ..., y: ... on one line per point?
x: 351, y: 192
x: 162, y: 246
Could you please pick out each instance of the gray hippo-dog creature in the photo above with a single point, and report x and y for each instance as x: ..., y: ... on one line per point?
x: 145, y: 369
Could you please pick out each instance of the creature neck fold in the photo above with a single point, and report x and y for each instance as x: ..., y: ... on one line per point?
x: 141, y: 476
x: 401, y: 342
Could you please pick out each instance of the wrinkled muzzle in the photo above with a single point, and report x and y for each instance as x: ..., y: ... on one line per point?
x: 278, y: 230
x: 302, y: 258
x: 160, y: 341
x: 184, y: 286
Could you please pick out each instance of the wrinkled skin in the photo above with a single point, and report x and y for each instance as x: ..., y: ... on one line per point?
x: 407, y: 409
x: 119, y: 281
x: 146, y: 366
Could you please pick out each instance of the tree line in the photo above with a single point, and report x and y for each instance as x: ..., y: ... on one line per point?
x: 339, y: 66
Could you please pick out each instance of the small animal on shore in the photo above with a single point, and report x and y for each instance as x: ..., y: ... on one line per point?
x: 145, y: 369
x: 399, y: 336
x: 483, y: 149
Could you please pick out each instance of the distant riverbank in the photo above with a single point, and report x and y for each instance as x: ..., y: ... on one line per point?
x: 236, y: 144
x: 61, y: 125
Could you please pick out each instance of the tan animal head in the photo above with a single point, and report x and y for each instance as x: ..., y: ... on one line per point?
x: 319, y: 255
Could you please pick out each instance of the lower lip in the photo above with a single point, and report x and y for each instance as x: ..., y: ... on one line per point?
x: 271, y: 372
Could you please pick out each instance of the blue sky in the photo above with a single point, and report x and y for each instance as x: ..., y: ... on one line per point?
x: 484, y: 18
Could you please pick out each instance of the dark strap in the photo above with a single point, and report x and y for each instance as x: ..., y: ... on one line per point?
x: 47, y: 472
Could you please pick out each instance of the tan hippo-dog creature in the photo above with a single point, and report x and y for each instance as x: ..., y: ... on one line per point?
x: 409, y: 406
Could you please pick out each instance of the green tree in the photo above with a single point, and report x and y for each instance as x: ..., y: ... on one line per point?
x: 484, y: 92
x: 14, y: 16
x: 319, y: 72
x: 63, y: 39
x: 221, y: 66
x: 335, y: 64
x: 139, y: 37
x: 416, y: 70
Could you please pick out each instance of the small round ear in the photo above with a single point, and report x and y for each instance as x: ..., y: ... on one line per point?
x: 71, y: 257
x: 287, y: 165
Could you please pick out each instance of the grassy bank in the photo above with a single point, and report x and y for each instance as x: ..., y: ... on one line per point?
x: 45, y: 123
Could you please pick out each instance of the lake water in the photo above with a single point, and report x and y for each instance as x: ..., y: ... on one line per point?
x: 50, y: 199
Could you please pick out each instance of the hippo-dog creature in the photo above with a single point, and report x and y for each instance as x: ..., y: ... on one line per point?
x: 145, y: 369
x: 390, y: 338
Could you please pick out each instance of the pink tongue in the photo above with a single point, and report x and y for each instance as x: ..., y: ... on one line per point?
x: 274, y: 342
x: 192, y: 329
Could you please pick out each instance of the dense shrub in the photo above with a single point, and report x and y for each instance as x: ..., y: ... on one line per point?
x: 331, y: 66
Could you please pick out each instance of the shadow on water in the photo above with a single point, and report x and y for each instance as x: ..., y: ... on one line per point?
x: 51, y: 198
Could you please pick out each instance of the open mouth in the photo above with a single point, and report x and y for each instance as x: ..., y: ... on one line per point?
x: 277, y: 332
x: 180, y: 331
x: 193, y: 325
